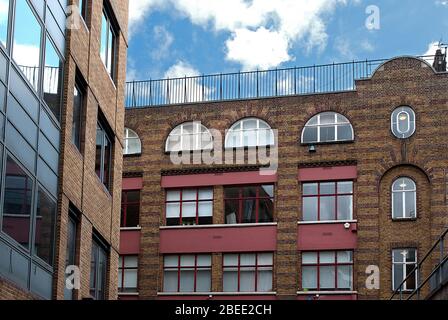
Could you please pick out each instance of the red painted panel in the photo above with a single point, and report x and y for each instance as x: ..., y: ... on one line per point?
x: 129, y: 242
x: 326, y: 237
x: 132, y: 183
x: 217, y: 179
x: 328, y: 297
x: 226, y: 239
x: 219, y: 297
x: 125, y: 297
x: 328, y: 173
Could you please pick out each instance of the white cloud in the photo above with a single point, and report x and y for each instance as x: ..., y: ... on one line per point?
x: 442, y: 3
x: 164, y: 39
x: 181, y: 69
x: 284, y: 22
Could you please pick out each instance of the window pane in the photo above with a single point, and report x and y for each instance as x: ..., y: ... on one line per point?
x: 328, y: 188
x: 187, y: 260
x: 205, y: 209
x: 247, y: 280
x: 188, y: 209
x: 345, y: 256
x: 104, y: 39
x: 397, y: 205
x: 52, y: 79
x: 250, y: 192
x: 310, y: 134
x: 267, y: 191
x: 77, y: 113
x: 231, y: 211
x: 327, y: 277
x: 204, y: 260
x: 265, y: 259
x: 309, y: 277
x: 398, y: 276
x: 45, y: 227
x: 171, y: 261
x: 310, y: 189
x: 231, y: 193
x: 345, y: 132
x: 249, y: 211
x: 327, y: 134
x: 403, y: 122
x: 230, y: 281
x: 186, y: 280
x: 345, y: 187
x: 170, y: 281
x: 189, y: 195
x: 132, y: 215
x: 17, y: 203
x: 410, y: 209
x: 345, y: 208
x: 26, y: 43
x: 309, y: 209
x: 247, y: 259
x: 250, y: 138
x: 110, y: 52
x: 327, y: 118
x: 173, y: 210
x: 264, y: 280
x: 173, y: 195
x: 309, y: 258
x: 107, y: 161
x: 411, y: 281
x: 265, y: 211
x: 327, y: 208
x: 327, y: 257
x: 206, y: 194
x: 203, y: 281
x: 130, y: 280
x: 345, y: 277
x: 4, y: 7
x: 99, y: 151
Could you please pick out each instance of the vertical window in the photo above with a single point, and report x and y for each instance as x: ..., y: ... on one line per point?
x: 327, y: 270
x: 189, y: 207
x: 78, y: 110
x: 327, y: 201
x: 132, y: 143
x: 103, y: 155
x: 98, y: 271
x: 108, y: 43
x: 403, y: 122
x: 249, y: 204
x: 53, y: 79
x: 17, y: 203
x: 26, y: 42
x: 128, y: 274
x: 83, y: 9
x: 4, y: 20
x: 404, y: 262
x: 247, y: 272
x: 187, y: 273
x: 130, y: 208
x: 404, y: 199
x: 45, y: 227
x: 70, y: 256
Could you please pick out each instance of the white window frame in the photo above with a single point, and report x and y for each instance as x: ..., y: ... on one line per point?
x: 404, y: 264
x: 127, y: 137
x: 241, y: 132
x: 403, y: 192
x: 335, y: 125
x: 198, y: 131
x: 395, y: 122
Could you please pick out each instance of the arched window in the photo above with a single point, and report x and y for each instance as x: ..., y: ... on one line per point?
x: 132, y: 143
x: 327, y: 127
x: 189, y: 136
x: 249, y: 132
x: 404, y: 199
x: 403, y: 122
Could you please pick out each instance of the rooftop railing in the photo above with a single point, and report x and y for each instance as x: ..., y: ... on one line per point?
x: 335, y: 77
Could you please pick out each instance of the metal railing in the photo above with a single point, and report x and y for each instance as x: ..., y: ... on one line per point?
x: 436, y: 279
x: 51, y: 79
x: 336, y: 77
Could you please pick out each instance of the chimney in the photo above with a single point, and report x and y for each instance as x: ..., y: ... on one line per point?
x: 439, y: 61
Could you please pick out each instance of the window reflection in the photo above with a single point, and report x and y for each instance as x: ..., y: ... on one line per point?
x: 52, y: 79
x: 45, y: 224
x: 4, y: 11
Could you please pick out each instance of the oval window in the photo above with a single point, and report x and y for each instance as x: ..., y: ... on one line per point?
x: 403, y: 122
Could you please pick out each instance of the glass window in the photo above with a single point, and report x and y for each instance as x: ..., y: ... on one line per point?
x: 70, y: 256
x: 53, y: 79
x: 404, y: 262
x: 247, y: 272
x: 83, y: 9
x: 187, y: 273
x: 189, y: 136
x: 26, y: 43
x: 132, y: 143
x: 128, y: 274
x: 250, y: 132
x: 108, y: 44
x: 78, y: 110
x: 17, y: 203
x: 189, y: 207
x: 327, y: 270
x: 4, y: 20
x: 249, y: 204
x: 98, y: 271
x: 403, y: 122
x: 327, y: 127
x: 130, y: 208
x: 404, y: 199
x: 45, y: 227
x: 327, y: 201
x: 103, y: 155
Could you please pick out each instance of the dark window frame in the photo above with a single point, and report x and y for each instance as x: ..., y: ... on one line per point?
x: 80, y: 87
x: 99, y: 250
x: 197, y: 201
x: 123, y: 269
x: 72, y: 248
x: 104, y: 174
x: 112, y: 29
x: 124, y: 206
x: 83, y: 9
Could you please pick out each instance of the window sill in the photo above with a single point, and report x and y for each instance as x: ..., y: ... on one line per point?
x: 242, y: 225
x: 130, y: 228
x: 301, y: 293
x: 270, y: 293
x: 327, y: 222
x: 404, y: 219
x: 128, y: 294
x: 132, y: 155
x: 307, y: 144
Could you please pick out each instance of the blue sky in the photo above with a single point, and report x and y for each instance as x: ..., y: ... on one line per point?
x: 187, y: 37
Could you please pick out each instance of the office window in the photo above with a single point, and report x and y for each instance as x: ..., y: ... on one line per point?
x: 98, y: 271
x: 404, y: 199
x: 45, y: 227
x: 403, y: 122
x: 189, y: 207
x: 70, y: 255
x: 250, y: 132
x: 128, y: 274
x: 189, y: 136
x: 103, y: 160
x: 4, y: 20
x: 83, y: 9
x: 26, y: 49
x: 130, y: 208
x: 247, y: 272
x: 327, y: 201
x: 404, y: 262
x: 327, y: 270
x: 18, y: 190
x: 249, y: 204
x: 327, y: 127
x: 187, y: 273
x: 108, y: 43
x: 53, y: 79
x: 78, y: 110
x: 132, y: 143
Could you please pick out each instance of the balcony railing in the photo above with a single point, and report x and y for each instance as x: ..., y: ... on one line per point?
x: 336, y: 77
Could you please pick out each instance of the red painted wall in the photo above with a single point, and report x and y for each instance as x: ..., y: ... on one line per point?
x: 334, y: 236
x: 129, y: 242
x: 225, y: 239
x: 328, y: 173
x: 132, y: 183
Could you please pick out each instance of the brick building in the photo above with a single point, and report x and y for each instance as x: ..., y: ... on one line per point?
x: 361, y: 181
x: 62, y: 72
